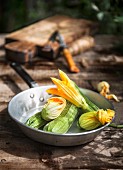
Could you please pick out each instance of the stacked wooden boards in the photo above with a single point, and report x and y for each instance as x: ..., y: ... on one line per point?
x: 30, y: 39
x: 39, y: 32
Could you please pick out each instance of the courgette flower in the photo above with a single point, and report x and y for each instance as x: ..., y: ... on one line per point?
x: 105, y: 116
x: 92, y: 120
x: 53, y: 108
x: 67, y: 89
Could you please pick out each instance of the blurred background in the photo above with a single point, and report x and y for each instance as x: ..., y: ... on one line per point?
x: 15, y: 14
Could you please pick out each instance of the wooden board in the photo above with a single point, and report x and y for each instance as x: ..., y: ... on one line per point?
x: 39, y: 32
x: 29, y: 41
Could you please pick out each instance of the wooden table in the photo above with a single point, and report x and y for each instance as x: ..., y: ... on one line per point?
x: 105, y: 152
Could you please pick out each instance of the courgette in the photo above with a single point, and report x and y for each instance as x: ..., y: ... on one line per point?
x: 63, y: 123
x: 36, y: 121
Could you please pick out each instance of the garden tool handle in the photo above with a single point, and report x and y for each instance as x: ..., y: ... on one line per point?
x: 70, y: 61
x: 24, y: 75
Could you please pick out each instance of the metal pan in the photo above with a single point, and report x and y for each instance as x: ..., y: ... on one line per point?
x: 30, y: 101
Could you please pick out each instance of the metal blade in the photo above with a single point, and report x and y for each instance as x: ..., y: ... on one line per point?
x: 61, y: 40
x: 53, y: 36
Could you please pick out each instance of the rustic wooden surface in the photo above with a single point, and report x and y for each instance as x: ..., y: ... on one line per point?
x: 105, y: 152
x: 29, y: 40
x: 39, y: 32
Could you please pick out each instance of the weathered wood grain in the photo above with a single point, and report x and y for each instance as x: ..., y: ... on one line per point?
x: 39, y: 32
x: 18, y: 152
x: 36, y: 39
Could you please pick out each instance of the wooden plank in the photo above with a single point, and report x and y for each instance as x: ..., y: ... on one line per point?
x: 29, y: 41
x: 39, y: 32
x: 2, y: 40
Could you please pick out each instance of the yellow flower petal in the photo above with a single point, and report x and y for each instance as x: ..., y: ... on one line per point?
x: 111, y: 114
x: 105, y: 116
x: 53, y: 91
x: 53, y: 108
x: 69, y: 90
x: 102, y: 116
x: 64, y: 77
x: 103, y: 88
x: 112, y: 96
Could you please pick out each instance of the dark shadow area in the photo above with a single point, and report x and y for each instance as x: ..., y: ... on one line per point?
x: 10, y: 83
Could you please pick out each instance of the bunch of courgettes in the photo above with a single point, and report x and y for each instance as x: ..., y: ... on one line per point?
x: 58, y: 115
x: 60, y: 124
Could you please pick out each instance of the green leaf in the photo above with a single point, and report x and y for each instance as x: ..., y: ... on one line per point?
x: 100, y: 16
x: 119, y: 19
x: 94, y: 7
